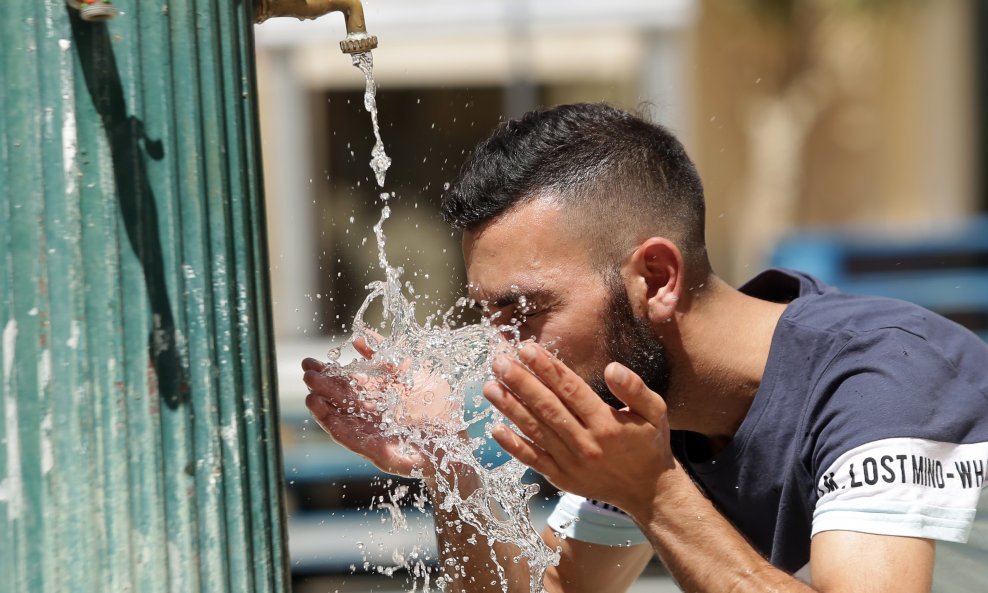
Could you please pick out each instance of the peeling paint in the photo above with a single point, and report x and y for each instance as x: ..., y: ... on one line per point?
x: 73, y: 341
x: 9, y: 344
x: 47, y: 456
x: 242, y: 301
x: 159, y: 336
x: 229, y: 434
x: 44, y: 371
x: 209, y: 467
x: 69, y: 129
x: 177, y: 571
x: 181, y: 343
x: 96, y: 470
x: 49, y: 21
x: 12, y: 487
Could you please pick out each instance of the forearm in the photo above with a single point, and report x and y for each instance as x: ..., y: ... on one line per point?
x: 465, y: 554
x: 701, y: 549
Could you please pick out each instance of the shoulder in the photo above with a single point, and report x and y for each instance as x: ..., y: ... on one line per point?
x: 862, y: 334
x: 894, y: 383
x: 898, y: 425
x: 892, y: 405
x: 823, y: 318
x: 817, y: 305
x: 892, y: 370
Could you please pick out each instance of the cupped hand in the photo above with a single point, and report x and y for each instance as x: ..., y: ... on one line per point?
x: 574, y: 439
x: 352, y: 410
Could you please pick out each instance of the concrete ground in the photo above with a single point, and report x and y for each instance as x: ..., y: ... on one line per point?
x: 317, y: 548
x: 648, y: 583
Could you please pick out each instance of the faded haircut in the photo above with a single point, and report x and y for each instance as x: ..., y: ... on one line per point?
x: 620, y: 177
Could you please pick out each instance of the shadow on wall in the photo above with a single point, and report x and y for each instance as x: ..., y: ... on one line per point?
x: 128, y: 146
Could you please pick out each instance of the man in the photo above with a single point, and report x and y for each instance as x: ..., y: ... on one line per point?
x: 753, y: 434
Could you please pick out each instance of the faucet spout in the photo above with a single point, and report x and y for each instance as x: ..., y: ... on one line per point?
x: 357, y: 40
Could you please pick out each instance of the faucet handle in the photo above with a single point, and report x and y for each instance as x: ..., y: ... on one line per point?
x: 355, y: 44
x: 94, y: 11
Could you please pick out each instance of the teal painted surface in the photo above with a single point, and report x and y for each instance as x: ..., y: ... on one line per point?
x: 138, y: 443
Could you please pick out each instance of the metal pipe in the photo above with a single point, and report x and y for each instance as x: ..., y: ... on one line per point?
x: 357, y: 40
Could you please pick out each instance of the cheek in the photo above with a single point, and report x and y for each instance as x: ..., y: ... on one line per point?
x: 580, y: 345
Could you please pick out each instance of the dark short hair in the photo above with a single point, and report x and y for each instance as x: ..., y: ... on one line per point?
x: 619, y: 172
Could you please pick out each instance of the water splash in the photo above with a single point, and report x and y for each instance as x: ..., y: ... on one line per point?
x: 380, y: 162
x: 414, y: 358
x: 414, y: 391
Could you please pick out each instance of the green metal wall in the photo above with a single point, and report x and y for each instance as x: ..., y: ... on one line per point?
x: 138, y: 446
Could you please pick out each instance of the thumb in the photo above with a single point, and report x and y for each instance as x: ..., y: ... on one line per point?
x: 630, y: 389
x: 363, y: 348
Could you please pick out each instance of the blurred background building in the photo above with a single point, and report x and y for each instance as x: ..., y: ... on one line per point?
x: 858, y: 117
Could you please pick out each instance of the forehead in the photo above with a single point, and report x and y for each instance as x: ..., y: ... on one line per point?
x: 528, y: 250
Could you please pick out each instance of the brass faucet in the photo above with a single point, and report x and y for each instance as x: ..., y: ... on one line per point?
x: 357, y: 39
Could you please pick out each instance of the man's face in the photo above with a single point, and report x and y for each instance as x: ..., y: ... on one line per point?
x: 528, y: 268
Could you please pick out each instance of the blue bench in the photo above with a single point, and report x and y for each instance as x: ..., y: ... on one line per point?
x: 945, y: 271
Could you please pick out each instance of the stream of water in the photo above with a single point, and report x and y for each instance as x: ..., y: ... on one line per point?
x: 379, y: 159
x: 433, y: 366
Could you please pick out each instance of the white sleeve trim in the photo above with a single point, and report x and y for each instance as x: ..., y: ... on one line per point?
x: 903, y: 486
x: 589, y: 521
x: 908, y: 520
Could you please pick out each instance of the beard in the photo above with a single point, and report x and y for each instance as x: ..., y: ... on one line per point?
x: 630, y: 341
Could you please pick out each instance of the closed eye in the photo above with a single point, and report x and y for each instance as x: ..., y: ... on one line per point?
x: 524, y: 310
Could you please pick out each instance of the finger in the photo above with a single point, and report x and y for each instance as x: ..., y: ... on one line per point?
x: 360, y: 436
x: 338, y: 392
x: 363, y: 348
x: 316, y: 381
x: 531, y: 426
x: 630, y: 389
x: 311, y: 364
x: 538, y: 399
x: 503, y: 346
x: 317, y: 405
x: 325, y: 411
x: 571, y: 389
x: 335, y: 390
x: 525, y: 452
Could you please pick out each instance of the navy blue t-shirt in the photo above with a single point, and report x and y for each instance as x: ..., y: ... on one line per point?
x: 872, y: 416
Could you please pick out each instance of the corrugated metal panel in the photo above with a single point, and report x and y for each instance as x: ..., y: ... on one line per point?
x: 138, y: 445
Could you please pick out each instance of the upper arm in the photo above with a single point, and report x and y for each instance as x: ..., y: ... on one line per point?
x: 593, y: 568
x: 849, y: 561
x: 899, y: 437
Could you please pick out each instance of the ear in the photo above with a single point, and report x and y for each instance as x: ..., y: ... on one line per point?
x: 656, y: 275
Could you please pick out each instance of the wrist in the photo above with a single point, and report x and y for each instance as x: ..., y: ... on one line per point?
x: 454, y: 473
x: 672, y: 489
x: 438, y: 466
x: 455, y: 477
